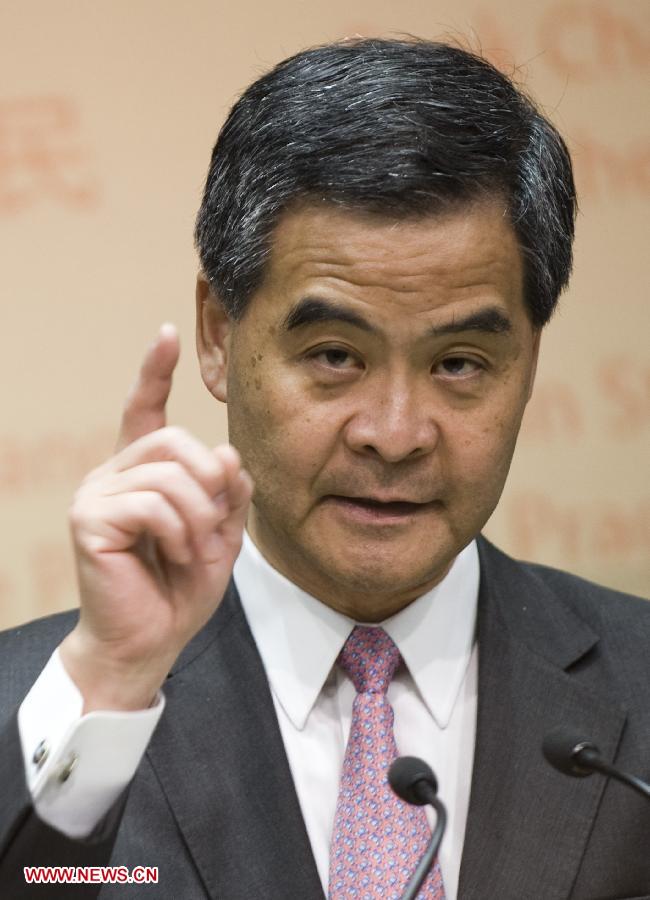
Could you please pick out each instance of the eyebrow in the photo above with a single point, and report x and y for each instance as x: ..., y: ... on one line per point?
x: 489, y: 320
x: 313, y: 310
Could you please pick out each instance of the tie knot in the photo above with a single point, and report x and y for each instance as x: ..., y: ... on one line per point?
x: 370, y: 658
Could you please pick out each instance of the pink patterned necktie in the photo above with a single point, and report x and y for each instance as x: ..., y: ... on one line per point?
x: 377, y: 839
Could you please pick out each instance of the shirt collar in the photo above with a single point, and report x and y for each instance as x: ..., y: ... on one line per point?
x: 299, y: 638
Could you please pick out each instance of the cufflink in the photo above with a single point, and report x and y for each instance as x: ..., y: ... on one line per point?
x: 68, y: 767
x: 40, y: 754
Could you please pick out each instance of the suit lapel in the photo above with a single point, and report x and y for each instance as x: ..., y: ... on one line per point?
x: 219, y: 756
x: 527, y: 824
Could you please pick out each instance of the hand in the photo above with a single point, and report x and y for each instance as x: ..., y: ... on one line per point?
x: 156, y: 531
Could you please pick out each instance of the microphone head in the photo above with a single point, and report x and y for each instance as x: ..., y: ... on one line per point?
x: 562, y: 748
x: 406, y: 776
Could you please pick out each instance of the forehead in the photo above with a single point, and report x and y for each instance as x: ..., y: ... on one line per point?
x: 419, y: 263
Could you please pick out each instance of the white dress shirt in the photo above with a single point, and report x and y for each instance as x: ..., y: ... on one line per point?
x: 433, y: 694
x: 299, y: 638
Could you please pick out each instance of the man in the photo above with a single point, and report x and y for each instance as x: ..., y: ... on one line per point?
x: 385, y: 229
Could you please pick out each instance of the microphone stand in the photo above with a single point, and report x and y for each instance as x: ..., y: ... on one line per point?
x: 426, y: 862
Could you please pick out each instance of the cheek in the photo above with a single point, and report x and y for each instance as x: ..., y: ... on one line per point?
x: 277, y: 431
x: 480, y: 446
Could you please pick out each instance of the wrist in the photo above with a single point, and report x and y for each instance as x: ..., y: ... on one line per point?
x: 110, y: 681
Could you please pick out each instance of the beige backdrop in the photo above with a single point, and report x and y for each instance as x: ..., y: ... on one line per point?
x: 108, y: 111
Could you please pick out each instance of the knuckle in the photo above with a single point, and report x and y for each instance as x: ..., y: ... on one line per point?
x: 176, y: 434
x: 154, y: 505
x: 75, y: 515
x: 206, y: 517
x: 179, y: 529
x: 171, y: 471
x: 176, y: 530
x: 77, y: 511
x: 92, y: 476
x: 215, y: 471
x: 181, y: 487
x: 160, y: 513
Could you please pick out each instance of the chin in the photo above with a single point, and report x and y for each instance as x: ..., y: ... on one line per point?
x: 376, y: 597
x: 383, y: 573
x: 402, y: 554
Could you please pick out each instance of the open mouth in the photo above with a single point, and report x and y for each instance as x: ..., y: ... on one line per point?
x: 398, y: 507
x: 378, y: 509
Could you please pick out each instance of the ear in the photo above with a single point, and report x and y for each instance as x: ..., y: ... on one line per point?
x: 537, y: 336
x: 212, y: 339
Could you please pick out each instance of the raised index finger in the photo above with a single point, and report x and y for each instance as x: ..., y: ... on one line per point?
x: 144, y: 410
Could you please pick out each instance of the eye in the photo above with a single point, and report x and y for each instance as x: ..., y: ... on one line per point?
x: 338, y: 358
x: 457, y: 367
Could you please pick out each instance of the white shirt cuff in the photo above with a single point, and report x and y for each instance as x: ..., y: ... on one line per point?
x: 77, y: 766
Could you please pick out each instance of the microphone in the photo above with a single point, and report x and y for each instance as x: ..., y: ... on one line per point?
x: 414, y: 782
x: 573, y: 754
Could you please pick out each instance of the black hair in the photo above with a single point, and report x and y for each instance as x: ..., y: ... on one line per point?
x: 397, y: 127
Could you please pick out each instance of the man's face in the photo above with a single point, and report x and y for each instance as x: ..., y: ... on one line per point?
x: 375, y: 389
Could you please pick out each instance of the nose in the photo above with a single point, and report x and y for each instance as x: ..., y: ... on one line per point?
x: 394, y: 422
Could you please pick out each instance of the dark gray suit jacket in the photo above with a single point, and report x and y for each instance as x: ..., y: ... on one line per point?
x: 213, y: 803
